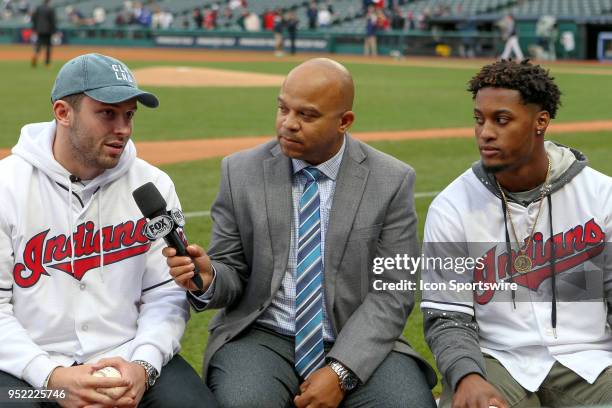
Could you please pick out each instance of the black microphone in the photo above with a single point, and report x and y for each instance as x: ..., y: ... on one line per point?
x: 164, y: 223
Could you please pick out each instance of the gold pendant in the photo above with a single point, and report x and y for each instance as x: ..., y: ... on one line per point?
x: 522, y: 264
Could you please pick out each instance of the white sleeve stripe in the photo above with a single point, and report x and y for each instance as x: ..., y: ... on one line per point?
x: 465, y: 304
x: 446, y: 306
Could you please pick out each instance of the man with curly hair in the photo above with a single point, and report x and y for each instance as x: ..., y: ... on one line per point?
x: 533, y: 327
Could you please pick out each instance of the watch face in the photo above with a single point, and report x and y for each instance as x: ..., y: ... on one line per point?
x: 350, y: 383
x: 151, y: 380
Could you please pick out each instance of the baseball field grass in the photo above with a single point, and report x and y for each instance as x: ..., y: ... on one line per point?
x: 389, y: 97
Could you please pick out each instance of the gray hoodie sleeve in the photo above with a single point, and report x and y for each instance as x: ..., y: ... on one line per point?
x: 453, y: 339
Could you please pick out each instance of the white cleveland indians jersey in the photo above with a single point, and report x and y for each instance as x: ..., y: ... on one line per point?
x: 519, y: 334
x: 78, y: 279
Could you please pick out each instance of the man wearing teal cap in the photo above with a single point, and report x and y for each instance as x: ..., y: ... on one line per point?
x: 81, y: 287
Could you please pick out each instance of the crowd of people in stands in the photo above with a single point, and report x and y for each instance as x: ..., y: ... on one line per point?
x: 319, y: 14
x: 149, y: 15
x: 231, y: 13
x: 209, y: 16
x: 228, y: 14
x: 14, y: 8
x: 389, y: 15
x: 380, y: 16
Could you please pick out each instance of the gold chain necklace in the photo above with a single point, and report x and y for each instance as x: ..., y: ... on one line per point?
x: 522, y: 262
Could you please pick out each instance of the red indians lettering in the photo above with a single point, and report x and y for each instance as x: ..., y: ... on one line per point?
x: 120, y: 242
x: 572, y: 248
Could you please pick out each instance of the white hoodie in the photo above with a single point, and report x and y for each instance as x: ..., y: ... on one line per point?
x: 58, y: 309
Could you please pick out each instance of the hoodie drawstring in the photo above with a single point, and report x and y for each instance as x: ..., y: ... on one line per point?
x: 101, y: 235
x: 509, y: 251
x: 71, y: 226
x: 553, y: 259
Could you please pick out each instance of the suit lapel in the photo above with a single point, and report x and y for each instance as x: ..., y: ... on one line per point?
x: 350, y: 186
x: 277, y: 185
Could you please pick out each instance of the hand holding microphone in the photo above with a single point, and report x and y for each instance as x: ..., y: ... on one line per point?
x: 183, y: 268
x: 189, y: 265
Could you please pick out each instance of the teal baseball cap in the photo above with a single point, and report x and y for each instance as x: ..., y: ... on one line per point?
x: 100, y: 77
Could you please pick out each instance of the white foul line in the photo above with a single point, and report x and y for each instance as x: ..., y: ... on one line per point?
x: 426, y: 194
x: 196, y: 214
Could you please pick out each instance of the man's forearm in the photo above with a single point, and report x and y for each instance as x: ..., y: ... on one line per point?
x: 453, y: 339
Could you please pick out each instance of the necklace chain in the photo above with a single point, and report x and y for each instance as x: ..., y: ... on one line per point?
x: 522, y: 264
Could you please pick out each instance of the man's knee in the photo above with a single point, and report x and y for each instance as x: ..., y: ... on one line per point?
x: 397, y: 382
x: 253, y: 371
x: 243, y: 397
x: 179, y: 386
x: 193, y: 399
x: 251, y: 388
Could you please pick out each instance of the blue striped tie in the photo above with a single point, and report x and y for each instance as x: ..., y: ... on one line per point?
x: 309, y: 354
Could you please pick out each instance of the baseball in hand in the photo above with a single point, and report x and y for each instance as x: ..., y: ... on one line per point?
x: 111, y: 372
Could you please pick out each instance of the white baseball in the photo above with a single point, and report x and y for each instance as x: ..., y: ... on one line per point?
x: 110, y: 372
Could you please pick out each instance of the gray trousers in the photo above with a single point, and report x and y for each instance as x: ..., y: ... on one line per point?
x: 256, y: 370
x: 178, y: 386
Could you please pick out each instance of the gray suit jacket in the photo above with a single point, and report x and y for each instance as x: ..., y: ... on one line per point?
x: 372, y: 216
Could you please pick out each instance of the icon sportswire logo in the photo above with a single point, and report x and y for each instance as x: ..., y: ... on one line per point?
x: 572, y: 248
x: 120, y: 242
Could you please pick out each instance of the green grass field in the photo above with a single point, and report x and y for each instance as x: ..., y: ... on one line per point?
x: 388, y: 98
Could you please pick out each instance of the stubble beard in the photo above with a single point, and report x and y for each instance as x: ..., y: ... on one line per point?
x: 85, y: 150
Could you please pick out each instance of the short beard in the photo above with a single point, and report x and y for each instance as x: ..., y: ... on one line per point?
x: 76, y: 138
x: 83, y: 148
x: 494, y: 169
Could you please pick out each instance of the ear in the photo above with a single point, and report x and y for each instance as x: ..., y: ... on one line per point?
x: 542, y: 121
x: 63, y: 113
x: 346, y: 120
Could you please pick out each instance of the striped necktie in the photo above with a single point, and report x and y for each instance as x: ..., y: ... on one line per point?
x: 309, y: 355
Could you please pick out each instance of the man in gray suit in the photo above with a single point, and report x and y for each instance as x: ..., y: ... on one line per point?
x: 297, y: 224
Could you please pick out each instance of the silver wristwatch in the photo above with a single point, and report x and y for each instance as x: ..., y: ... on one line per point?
x: 151, y: 371
x: 346, y: 378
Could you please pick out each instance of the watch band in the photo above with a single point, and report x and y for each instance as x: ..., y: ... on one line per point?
x: 346, y: 378
x: 150, y: 371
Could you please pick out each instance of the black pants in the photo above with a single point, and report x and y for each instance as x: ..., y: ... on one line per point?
x: 44, y: 40
x: 178, y: 386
